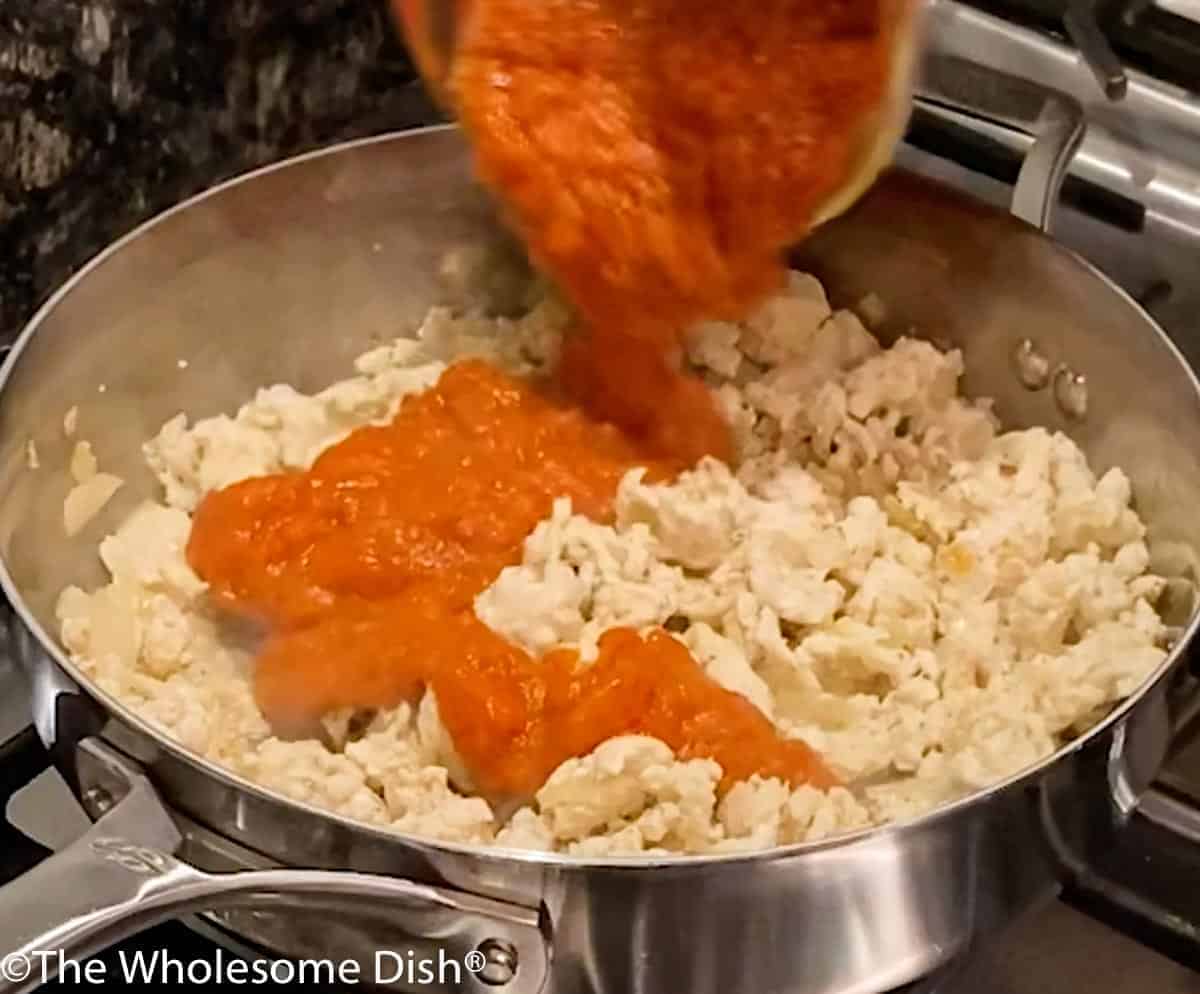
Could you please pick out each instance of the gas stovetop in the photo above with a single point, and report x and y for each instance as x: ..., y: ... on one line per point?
x: 1130, y: 922
x: 1158, y: 36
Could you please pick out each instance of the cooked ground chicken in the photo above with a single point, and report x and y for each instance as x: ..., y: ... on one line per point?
x: 930, y: 602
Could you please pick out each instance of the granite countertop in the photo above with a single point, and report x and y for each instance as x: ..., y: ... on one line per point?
x: 113, y: 110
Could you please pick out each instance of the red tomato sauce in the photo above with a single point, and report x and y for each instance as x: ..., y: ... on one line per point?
x: 658, y: 157
x: 365, y: 568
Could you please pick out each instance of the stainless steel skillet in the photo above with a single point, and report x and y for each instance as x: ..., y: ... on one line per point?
x: 289, y: 273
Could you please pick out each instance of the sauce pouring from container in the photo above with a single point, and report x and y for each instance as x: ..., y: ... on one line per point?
x: 658, y: 157
x: 431, y: 31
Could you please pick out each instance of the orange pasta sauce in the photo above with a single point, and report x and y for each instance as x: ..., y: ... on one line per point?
x: 365, y: 569
x: 657, y: 157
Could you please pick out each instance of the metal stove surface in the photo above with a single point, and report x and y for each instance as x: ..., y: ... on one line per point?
x: 1131, y: 205
x: 1162, y: 36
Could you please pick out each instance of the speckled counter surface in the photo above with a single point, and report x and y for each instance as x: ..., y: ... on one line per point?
x: 113, y: 110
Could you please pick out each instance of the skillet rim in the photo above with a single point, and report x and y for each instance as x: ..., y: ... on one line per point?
x: 682, y: 863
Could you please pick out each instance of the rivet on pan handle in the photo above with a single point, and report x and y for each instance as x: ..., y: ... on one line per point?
x: 121, y: 877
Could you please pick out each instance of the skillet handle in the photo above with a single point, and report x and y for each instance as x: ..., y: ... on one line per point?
x: 1125, y: 846
x: 958, y: 90
x: 120, y: 878
x: 1060, y: 131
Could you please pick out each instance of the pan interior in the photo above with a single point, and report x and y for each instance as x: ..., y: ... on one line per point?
x: 290, y: 274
